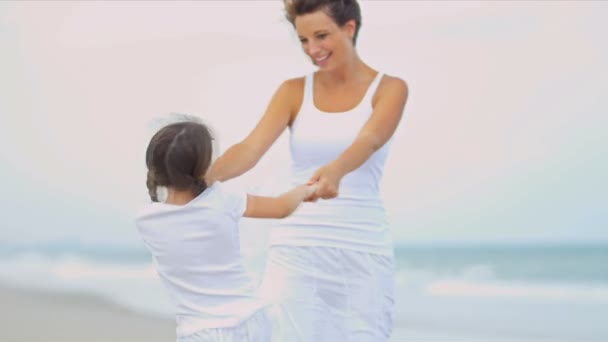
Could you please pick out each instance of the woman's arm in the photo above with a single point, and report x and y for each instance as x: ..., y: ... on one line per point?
x: 277, y: 207
x: 383, y: 122
x: 243, y: 156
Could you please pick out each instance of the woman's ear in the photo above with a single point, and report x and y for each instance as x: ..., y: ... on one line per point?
x: 350, y: 27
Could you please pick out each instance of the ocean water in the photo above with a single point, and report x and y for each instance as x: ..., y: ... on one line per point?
x: 502, y: 292
x: 444, y: 292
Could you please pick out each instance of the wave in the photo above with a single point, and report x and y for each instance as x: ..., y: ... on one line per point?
x: 480, y: 281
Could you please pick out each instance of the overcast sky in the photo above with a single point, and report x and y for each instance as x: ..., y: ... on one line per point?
x: 504, y: 135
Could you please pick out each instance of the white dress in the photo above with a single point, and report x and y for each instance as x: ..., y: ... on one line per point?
x: 330, y: 266
x: 195, y: 248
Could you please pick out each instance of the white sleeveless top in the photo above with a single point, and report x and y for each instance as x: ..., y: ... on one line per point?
x: 196, y: 251
x: 356, y: 219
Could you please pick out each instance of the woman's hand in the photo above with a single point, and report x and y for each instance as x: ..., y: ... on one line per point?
x: 327, y: 179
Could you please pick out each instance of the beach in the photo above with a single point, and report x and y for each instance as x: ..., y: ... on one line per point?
x: 50, y: 316
x: 443, y: 294
x: 53, y: 316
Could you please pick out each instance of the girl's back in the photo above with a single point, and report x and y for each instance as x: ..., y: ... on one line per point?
x: 197, y: 255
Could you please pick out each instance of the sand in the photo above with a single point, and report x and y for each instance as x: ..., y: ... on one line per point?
x: 34, y: 316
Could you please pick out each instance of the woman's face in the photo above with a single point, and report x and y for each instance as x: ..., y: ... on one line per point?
x: 327, y: 44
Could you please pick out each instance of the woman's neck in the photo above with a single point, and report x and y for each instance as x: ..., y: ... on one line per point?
x: 179, y: 197
x: 351, y: 72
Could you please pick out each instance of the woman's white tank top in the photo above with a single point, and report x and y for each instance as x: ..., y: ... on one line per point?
x: 355, y: 219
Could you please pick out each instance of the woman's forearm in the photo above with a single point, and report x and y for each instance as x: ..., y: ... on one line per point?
x: 328, y: 177
x: 354, y: 156
x: 238, y: 159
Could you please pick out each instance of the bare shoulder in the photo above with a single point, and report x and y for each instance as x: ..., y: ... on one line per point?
x: 292, y: 90
x: 391, y: 88
x: 393, y: 84
x: 293, y: 86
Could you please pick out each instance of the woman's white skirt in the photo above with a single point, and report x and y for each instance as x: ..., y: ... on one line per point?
x: 257, y: 328
x: 325, y: 294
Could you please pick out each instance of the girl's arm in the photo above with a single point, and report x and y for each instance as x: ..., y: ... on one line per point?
x: 277, y: 207
x: 243, y: 156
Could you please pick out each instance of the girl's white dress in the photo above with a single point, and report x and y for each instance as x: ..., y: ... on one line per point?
x: 196, y: 252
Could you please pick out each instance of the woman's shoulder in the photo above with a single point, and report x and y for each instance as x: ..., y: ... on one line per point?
x: 393, y: 82
x: 291, y: 92
x: 391, y: 86
x: 291, y: 88
x: 295, y: 84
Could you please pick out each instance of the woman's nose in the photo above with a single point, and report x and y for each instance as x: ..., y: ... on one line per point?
x: 313, y: 49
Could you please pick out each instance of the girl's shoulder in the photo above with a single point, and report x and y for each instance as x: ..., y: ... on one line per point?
x: 222, y: 197
x: 213, y: 193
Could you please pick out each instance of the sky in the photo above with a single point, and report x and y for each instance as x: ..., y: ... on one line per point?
x: 503, y: 136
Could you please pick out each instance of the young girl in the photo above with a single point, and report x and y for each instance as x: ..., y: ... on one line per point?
x: 194, y: 240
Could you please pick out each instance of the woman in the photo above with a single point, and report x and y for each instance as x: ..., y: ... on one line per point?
x: 330, y: 265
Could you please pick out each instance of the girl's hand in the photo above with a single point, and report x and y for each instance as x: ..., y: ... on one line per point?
x: 327, y: 179
x: 310, y: 189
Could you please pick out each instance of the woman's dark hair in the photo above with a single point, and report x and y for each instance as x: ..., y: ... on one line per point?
x: 341, y: 11
x: 178, y: 156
